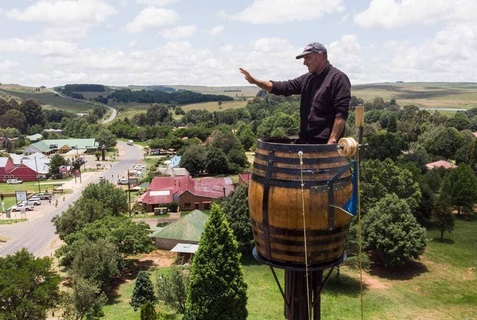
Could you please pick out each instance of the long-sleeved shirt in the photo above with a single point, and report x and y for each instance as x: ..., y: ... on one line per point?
x: 324, y: 97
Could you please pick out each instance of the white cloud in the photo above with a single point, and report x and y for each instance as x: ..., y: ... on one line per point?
x: 150, y: 18
x: 215, y: 31
x: 345, y: 54
x: 156, y: 3
x: 7, y: 65
x: 181, y: 32
x: 392, y: 13
x: 280, y: 11
x: 39, y: 48
x: 64, y: 13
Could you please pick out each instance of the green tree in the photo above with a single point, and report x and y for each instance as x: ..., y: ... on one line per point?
x: 97, y: 201
x: 55, y: 163
x: 380, y: 178
x: 194, y: 159
x: 97, y: 262
x: 28, y: 286
x: 13, y: 119
x: 172, y: 288
x: 441, y: 142
x: 387, y: 145
x: 237, y: 160
x: 106, y: 137
x: 246, y: 136
x: 33, y: 112
x: 129, y: 237
x: 143, y: 291
x: 85, y: 301
x: 216, y: 161
x: 390, y: 228
x: 217, y: 289
x: 224, y: 139
x: 148, y: 312
x: 442, y: 215
x: 461, y: 185
x: 235, y: 208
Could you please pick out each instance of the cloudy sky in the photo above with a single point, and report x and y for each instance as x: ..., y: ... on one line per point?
x: 204, y: 42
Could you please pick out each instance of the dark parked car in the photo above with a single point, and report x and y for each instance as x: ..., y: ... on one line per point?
x: 43, y: 196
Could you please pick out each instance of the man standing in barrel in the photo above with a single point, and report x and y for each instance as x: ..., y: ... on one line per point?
x: 325, y: 95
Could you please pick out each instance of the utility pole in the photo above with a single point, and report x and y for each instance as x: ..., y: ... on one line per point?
x: 37, y: 179
x: 129, y: 196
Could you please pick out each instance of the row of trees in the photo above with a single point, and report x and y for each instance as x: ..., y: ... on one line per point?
x: 159, y: 96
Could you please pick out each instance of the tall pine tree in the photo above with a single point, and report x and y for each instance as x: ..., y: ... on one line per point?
x: 143, y: 291
x: 217, y: 289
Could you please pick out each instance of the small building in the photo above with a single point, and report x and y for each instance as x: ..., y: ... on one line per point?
x: 441, y: 163
x: 185, y: 251
x: 186, y: 230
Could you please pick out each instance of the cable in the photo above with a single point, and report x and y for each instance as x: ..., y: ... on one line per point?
x: 300, y: 154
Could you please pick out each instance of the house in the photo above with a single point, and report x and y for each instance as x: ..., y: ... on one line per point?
x: 6, y: 165
x: 187, y: 230
x: 35, y: 137
x: 31, y: 167
x: 189, y: 193
x: 441, y: 163
x: 53, y: 146
x: 24, y: 173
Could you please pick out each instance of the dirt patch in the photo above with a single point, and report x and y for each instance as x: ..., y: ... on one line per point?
x: 159, y: 258
x: 375, y: 283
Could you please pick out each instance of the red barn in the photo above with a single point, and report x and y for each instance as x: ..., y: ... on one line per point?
x: 6, y: 165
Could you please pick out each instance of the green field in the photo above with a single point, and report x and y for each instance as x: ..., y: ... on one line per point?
x: 441, y: 285
x: 426, y: 95
x: 46, y: 98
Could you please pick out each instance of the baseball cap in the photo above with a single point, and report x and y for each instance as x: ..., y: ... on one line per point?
x: 312, y: 47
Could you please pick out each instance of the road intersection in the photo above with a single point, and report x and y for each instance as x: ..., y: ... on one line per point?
x: 37, y: 234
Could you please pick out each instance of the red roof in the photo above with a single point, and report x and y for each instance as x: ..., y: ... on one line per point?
x: 440, y: 163
x: 163, y: 189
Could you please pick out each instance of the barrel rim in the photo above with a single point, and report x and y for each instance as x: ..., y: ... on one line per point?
x: 286, y: 143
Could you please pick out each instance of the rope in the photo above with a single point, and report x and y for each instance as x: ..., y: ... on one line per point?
x: 347, y: 147
x: 300, y: 154
x: 360, y: 240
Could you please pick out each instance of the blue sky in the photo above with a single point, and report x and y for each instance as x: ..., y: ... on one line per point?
x: 204, y: 42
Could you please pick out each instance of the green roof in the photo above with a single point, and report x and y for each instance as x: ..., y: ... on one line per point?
x: 188, y: 228
x: 45, y: 145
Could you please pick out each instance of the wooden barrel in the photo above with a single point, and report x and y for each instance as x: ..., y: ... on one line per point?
x: 291, y: 182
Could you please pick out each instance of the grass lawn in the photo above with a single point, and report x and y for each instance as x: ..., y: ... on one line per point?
x: 442, y: 285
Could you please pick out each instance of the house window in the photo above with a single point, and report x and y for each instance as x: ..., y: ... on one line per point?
x: 187, y: 205
x: 206, y: 205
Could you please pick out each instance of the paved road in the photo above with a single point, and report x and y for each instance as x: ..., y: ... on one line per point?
x: 38, y: 233
x: 114, y: 112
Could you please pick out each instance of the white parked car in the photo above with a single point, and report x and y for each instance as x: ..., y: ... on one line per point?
x: 34, y: 202
x: 22, y: 206
x: 14, y: 181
